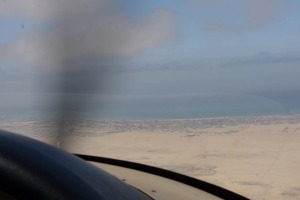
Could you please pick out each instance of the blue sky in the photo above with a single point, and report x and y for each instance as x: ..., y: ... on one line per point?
x: 150, y: 47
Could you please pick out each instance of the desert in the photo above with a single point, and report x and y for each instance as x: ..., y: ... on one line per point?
x: 257, y: 157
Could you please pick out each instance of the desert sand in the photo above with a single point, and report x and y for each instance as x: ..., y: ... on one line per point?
x: 258, y: 158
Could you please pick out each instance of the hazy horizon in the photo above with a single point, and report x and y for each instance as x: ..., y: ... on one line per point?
x: 160, y: 55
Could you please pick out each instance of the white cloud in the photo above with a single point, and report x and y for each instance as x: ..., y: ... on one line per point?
x: 41, y: 10
x: 117, y: 34
x: 251, y: 14
x: 261, y: 13
x: 89, y: 28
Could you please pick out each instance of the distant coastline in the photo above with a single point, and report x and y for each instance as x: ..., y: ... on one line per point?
x: 87, y: 127
x: 141, y: 107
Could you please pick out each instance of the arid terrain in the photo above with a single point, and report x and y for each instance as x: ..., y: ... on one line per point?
x: 257, y: 157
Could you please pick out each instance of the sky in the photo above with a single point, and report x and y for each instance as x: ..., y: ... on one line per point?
x: 150, y: 47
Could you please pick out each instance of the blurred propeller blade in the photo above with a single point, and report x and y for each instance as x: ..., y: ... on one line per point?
x: 81, y: 75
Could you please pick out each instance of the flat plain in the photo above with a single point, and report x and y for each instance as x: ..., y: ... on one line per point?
x: 257, y: 157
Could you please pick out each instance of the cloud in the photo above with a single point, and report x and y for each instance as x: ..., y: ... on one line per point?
x: 247, y: 15
x: 41, y: 10
x: 261, y: 13
x: 118, y: 34
x: 71, y: 45
x: 82, y: 29
x: 31, y: 9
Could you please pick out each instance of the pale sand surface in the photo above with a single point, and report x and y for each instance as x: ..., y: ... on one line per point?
x: 257, y: 160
